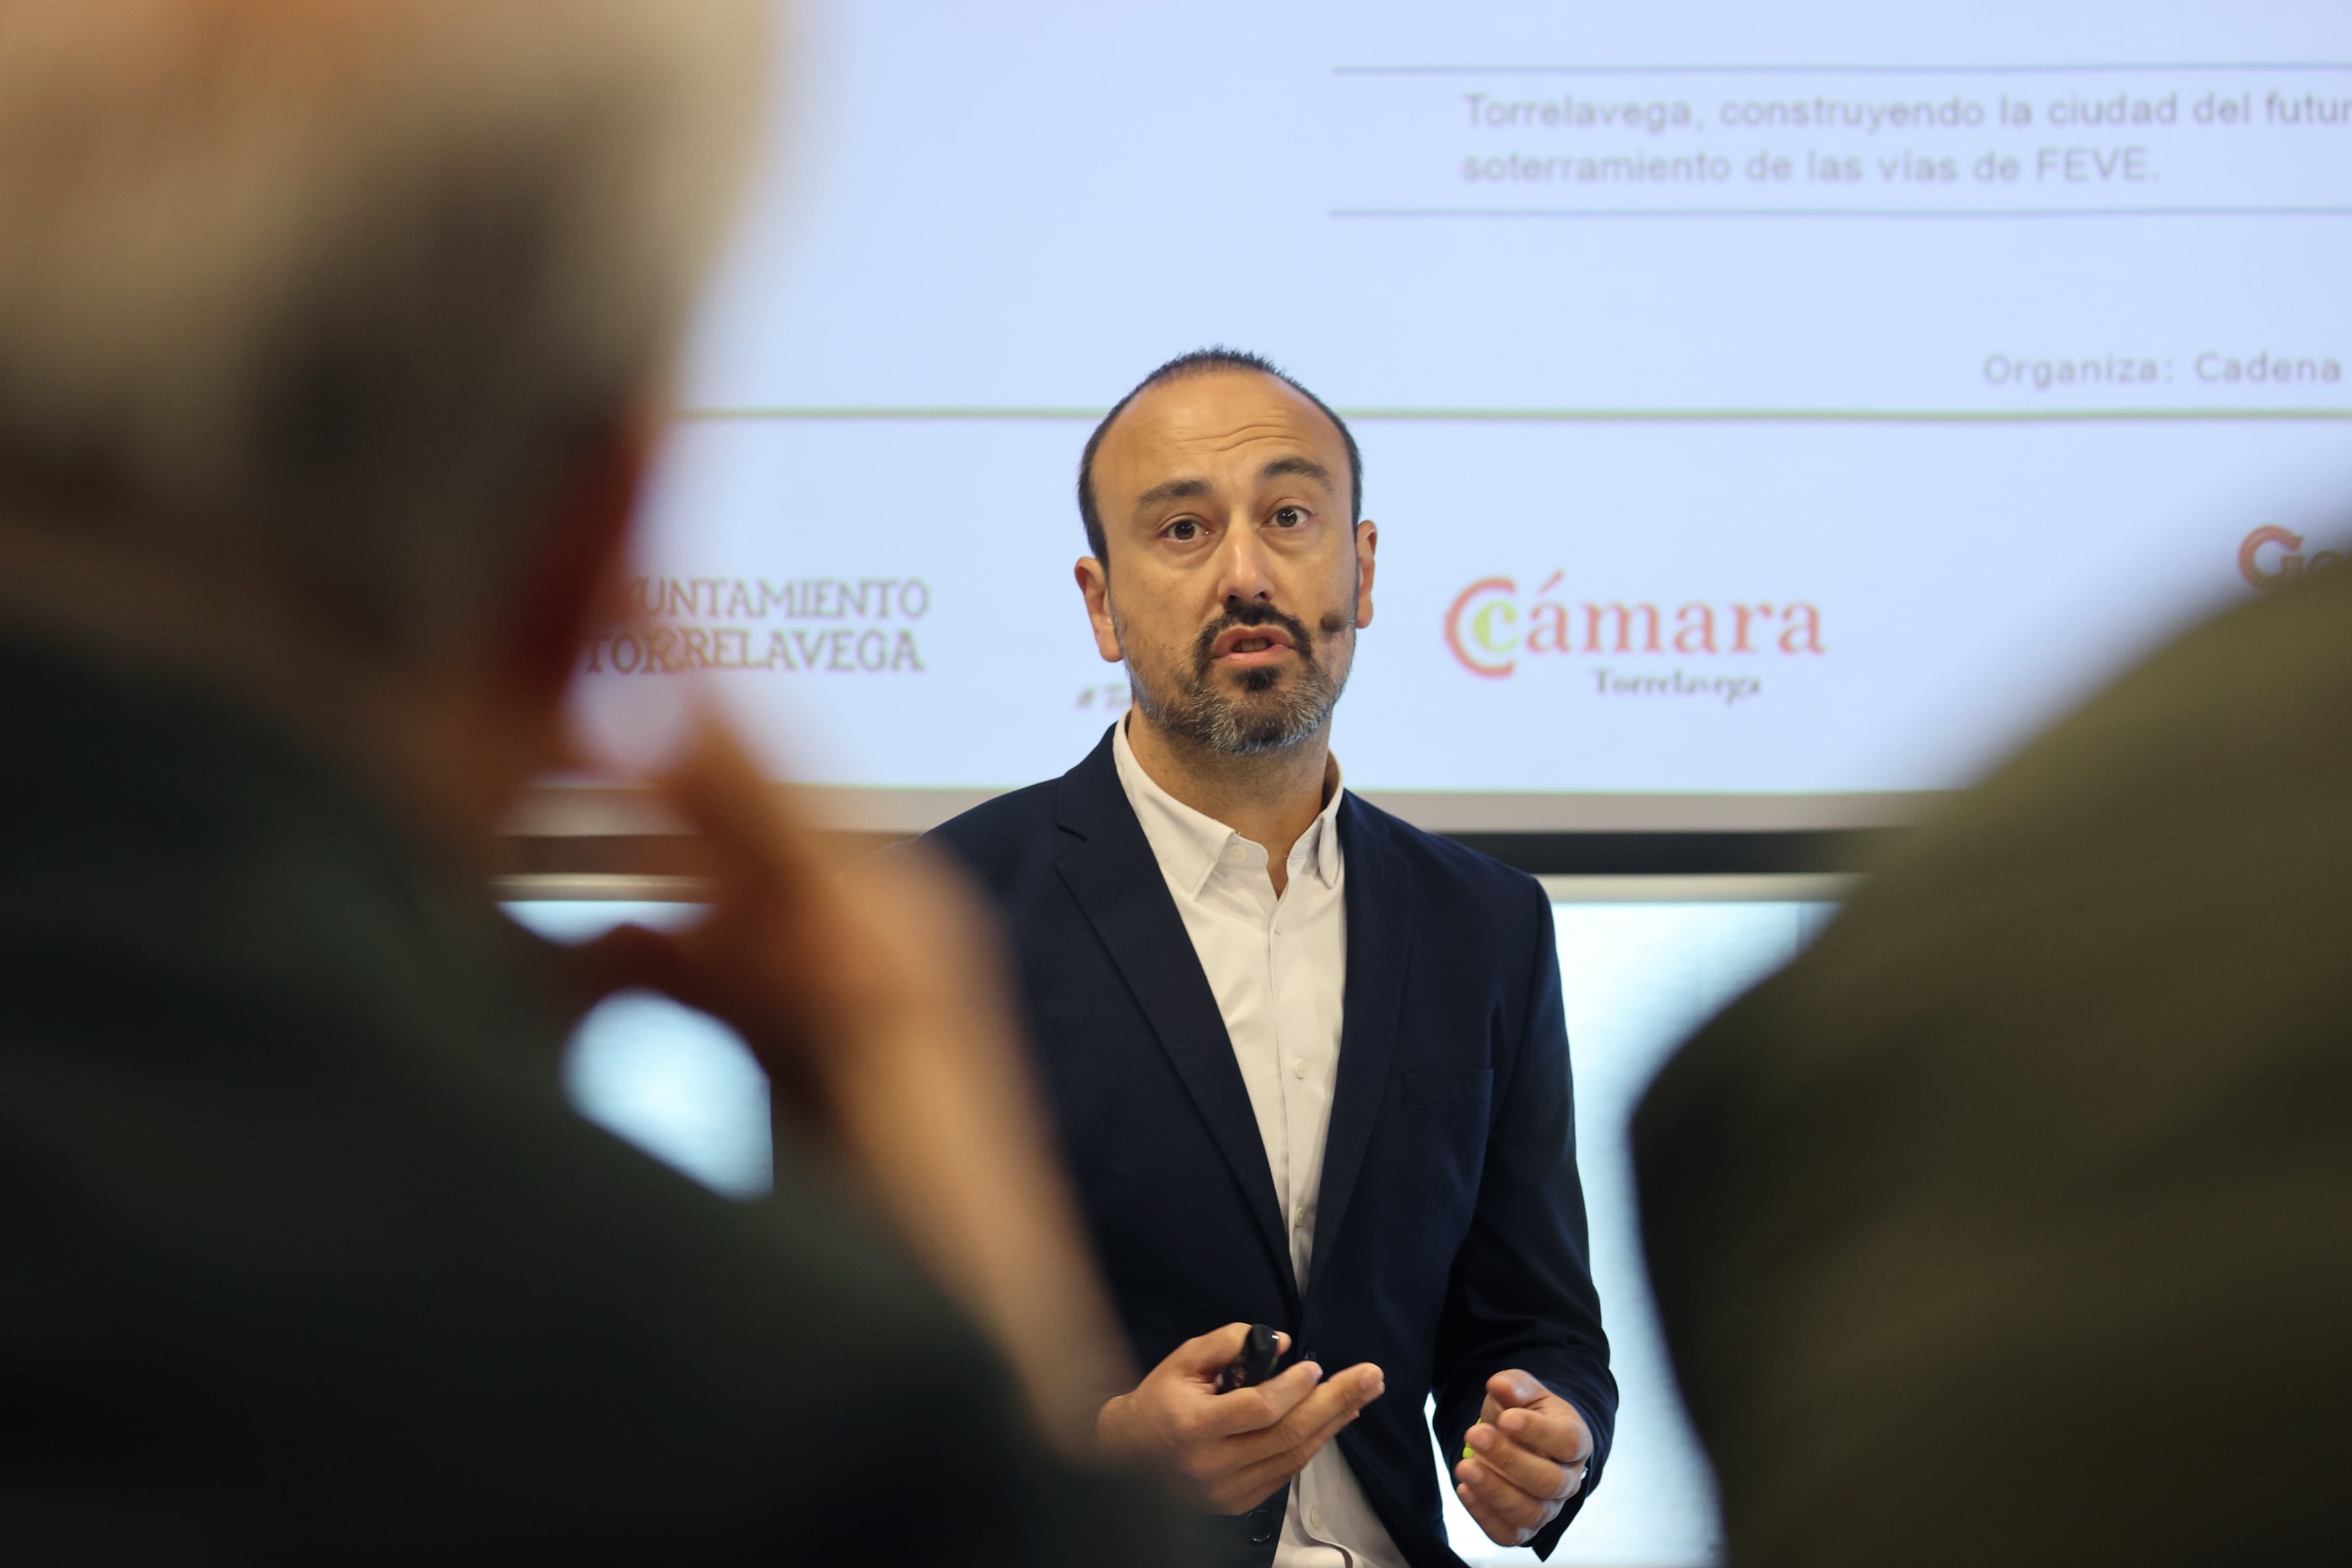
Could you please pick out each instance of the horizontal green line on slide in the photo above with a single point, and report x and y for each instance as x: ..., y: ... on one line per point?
x: 1847, y: 69
x: 1858, y: 214
x: 1593, y: 415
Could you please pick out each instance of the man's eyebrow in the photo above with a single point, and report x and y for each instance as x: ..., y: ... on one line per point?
x: 1171, y: 489
x: 1306, y: 467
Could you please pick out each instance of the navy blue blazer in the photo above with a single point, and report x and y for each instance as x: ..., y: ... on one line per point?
x: 1450, y: 1238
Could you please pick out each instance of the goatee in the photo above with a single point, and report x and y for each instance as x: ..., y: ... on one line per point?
x: 1269, y: 713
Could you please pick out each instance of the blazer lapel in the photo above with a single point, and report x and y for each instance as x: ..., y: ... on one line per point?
x: 1117, y: 881
x: 1379, y: 895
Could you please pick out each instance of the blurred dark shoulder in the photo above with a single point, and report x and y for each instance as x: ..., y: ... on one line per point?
x: 2182, y: 838
x: 2037, y: 1168
x: 306, y: 1254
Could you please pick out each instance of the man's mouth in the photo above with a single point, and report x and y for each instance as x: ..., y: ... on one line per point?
x: 1245, y: 645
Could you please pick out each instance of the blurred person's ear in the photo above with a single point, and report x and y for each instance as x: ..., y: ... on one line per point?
x: 568, y: 581
x: 475, y: 727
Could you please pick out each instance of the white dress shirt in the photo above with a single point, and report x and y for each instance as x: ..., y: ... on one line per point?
x: 1278, y: 967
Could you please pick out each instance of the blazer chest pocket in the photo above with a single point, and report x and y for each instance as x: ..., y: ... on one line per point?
x: 1455, y: 1085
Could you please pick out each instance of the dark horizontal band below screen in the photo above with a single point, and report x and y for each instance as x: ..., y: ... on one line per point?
x: 1696, y: 854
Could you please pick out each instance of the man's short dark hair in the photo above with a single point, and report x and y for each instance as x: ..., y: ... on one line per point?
x: 1206, y: 362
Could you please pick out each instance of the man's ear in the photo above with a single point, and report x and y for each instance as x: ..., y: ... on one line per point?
x: 1093, y: 582
x: 564, y: 585
x: 1367, y: 543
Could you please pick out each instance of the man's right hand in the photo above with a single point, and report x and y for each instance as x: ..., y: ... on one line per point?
x: 1231, y: 1451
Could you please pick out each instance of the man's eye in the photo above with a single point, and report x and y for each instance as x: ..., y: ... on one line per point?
x: 1288, y: 516
x: 1184, y: 528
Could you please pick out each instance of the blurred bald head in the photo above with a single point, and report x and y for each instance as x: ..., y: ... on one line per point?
x: 335, y: 292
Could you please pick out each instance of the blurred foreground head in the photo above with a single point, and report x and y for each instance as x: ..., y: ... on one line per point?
x: 329, y: 329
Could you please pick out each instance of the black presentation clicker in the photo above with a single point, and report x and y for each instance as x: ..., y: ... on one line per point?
x: 1260, y: 1352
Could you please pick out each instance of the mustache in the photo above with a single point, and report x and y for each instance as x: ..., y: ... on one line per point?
x: 1251, y: 615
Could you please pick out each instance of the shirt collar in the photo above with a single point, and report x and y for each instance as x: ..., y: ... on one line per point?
x: 1321, y: 839
x: 1189, y: 844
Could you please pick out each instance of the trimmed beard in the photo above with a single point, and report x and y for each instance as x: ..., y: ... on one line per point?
x: 1228, y: 723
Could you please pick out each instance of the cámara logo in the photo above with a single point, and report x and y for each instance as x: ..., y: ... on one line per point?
x: 1491, y: 625
x: 2265, y: 570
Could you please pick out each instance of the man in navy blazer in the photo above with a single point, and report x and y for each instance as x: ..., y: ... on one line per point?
x: 1309, y: 1062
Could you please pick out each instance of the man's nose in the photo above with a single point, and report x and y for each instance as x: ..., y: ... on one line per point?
x: 1243, y: 566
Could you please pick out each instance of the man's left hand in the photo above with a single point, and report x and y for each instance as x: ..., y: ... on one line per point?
x: 1526, y: 1458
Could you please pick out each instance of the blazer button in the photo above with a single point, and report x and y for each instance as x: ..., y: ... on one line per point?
x: 1261, y: 1526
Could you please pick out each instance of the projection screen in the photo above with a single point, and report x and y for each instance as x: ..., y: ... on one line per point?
x: 1771, y: 414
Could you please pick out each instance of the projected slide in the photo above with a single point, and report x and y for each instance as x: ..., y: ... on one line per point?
x: 1758, y: 403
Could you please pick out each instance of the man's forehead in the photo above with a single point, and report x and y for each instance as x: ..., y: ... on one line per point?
x: 1215, y: 419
